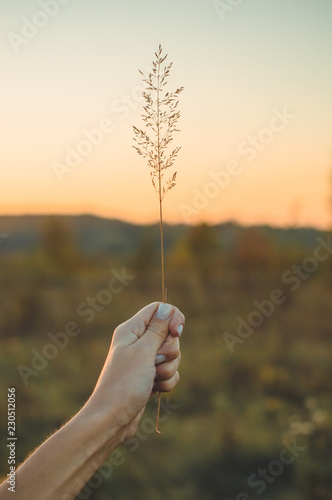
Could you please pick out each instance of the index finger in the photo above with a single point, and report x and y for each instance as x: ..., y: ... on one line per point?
x: 143, y: 317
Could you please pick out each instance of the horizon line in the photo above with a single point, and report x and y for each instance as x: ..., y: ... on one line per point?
x: 156, y: 221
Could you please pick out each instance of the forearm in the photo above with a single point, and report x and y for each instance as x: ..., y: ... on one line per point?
x: 59, y: 468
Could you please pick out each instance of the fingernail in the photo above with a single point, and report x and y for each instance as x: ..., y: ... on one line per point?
x: 164, y: 310
x: 180, y: 330
x: 160, y: 359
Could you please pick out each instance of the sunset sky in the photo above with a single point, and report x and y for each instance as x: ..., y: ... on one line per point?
x: 256, y: 112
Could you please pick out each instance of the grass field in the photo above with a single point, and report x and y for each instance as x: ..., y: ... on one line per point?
x: 251, y: 417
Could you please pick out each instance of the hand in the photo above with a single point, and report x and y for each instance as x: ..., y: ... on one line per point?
x: 134, y: 368
x: 66, y: 461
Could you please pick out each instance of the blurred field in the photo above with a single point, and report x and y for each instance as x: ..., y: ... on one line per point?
x: 236, y: 410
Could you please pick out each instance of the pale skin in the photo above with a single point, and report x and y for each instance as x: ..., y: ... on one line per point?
x: 132, y: 373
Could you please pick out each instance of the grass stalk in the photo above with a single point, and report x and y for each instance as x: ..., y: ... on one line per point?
x: 161, y: 116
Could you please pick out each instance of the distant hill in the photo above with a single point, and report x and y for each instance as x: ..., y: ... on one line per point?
x: 96, y: 235
x: 92, y: 234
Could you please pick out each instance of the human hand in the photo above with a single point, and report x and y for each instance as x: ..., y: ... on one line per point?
x: 135, y: 369
x: 66, y: 461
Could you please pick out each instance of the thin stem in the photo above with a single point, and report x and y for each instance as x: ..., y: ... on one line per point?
x: 162, y: 252
x: 161, y: 221
x: 159, y: 114
x: 158, y: 414
x: 160, y: 189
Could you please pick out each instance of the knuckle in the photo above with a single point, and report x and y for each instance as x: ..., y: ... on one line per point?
x: 165, y: 372
x: 155, y: 329
x: 168, y: 385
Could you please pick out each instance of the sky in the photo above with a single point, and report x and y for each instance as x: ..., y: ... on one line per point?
x: 256, y: 110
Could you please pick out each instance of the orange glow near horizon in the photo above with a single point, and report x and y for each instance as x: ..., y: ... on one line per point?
x: 244, y: 102
x: 261, y: 192
x: 218, y: 210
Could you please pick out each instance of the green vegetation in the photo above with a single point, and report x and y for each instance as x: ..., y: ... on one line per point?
x: 236, y: 410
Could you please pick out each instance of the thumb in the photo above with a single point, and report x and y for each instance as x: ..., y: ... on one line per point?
x: 158, y: 327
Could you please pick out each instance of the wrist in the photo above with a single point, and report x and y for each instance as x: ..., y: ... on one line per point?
x: 106, y: 432
x: 68, y: 459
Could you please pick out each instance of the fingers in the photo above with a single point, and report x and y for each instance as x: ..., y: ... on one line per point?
x: 130, y: 331
x: 158, y: 327
x: 166, y: 385
x: 169, y: 350
x: 133, y: 329
x: 167, y: 364
x: 165, y: 371
x: 142, y: 319
x: 166, y: 319
x: 177, y: 323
